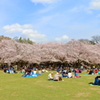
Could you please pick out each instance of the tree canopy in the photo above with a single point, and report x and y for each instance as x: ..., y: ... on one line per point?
x: 72, y: 51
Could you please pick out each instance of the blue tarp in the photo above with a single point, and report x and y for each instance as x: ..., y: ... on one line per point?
x: 94, y: 85
x: 31, y: 74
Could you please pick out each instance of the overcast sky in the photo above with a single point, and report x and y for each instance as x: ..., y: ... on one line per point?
x: 50, y: 20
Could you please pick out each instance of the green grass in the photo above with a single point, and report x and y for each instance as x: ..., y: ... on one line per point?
x: 15, y: 87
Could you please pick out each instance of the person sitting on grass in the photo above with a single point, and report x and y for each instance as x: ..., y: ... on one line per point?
x: 96, y: 81
x: 76, y: 75
x: 70, y: 74
x: 64, y: 73
x: 96, y: 71
x: 91, y: 72
x: 22, y: 71
x: 57, y: 77
x: 34, y: 71
x: 27, y: 72
x: 50, y: 76
x: 99, y: 71
x: 39, y: 72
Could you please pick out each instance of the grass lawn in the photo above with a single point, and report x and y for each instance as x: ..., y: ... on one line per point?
x: 15, y: 87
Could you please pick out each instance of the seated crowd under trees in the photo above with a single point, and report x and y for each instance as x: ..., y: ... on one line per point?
x: 61, y: 71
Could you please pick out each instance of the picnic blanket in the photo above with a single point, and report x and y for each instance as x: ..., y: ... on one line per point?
x: 94, y: 85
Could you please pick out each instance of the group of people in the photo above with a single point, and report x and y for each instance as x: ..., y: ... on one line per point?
x: 70, y: 73
x: 58, y: 76
x: 11, y: 69
x: 94, y: 71
x: 39, y: 70
x: 55, y: 77
x: 29, y: 72
x: 32, y: 72
x: 62, y: 72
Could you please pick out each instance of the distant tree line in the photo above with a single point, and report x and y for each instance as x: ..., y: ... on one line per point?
x: 95, y: 40
x: 3, y: 37
x: 23, y: 40
x: 20, y: 39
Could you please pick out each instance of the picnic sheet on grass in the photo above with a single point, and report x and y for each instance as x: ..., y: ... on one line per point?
x: 94, y: 85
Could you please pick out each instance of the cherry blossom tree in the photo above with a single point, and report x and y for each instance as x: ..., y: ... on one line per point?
x: 71, y: 52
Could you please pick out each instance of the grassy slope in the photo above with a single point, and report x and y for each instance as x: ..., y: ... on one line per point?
x: 15, y: 87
